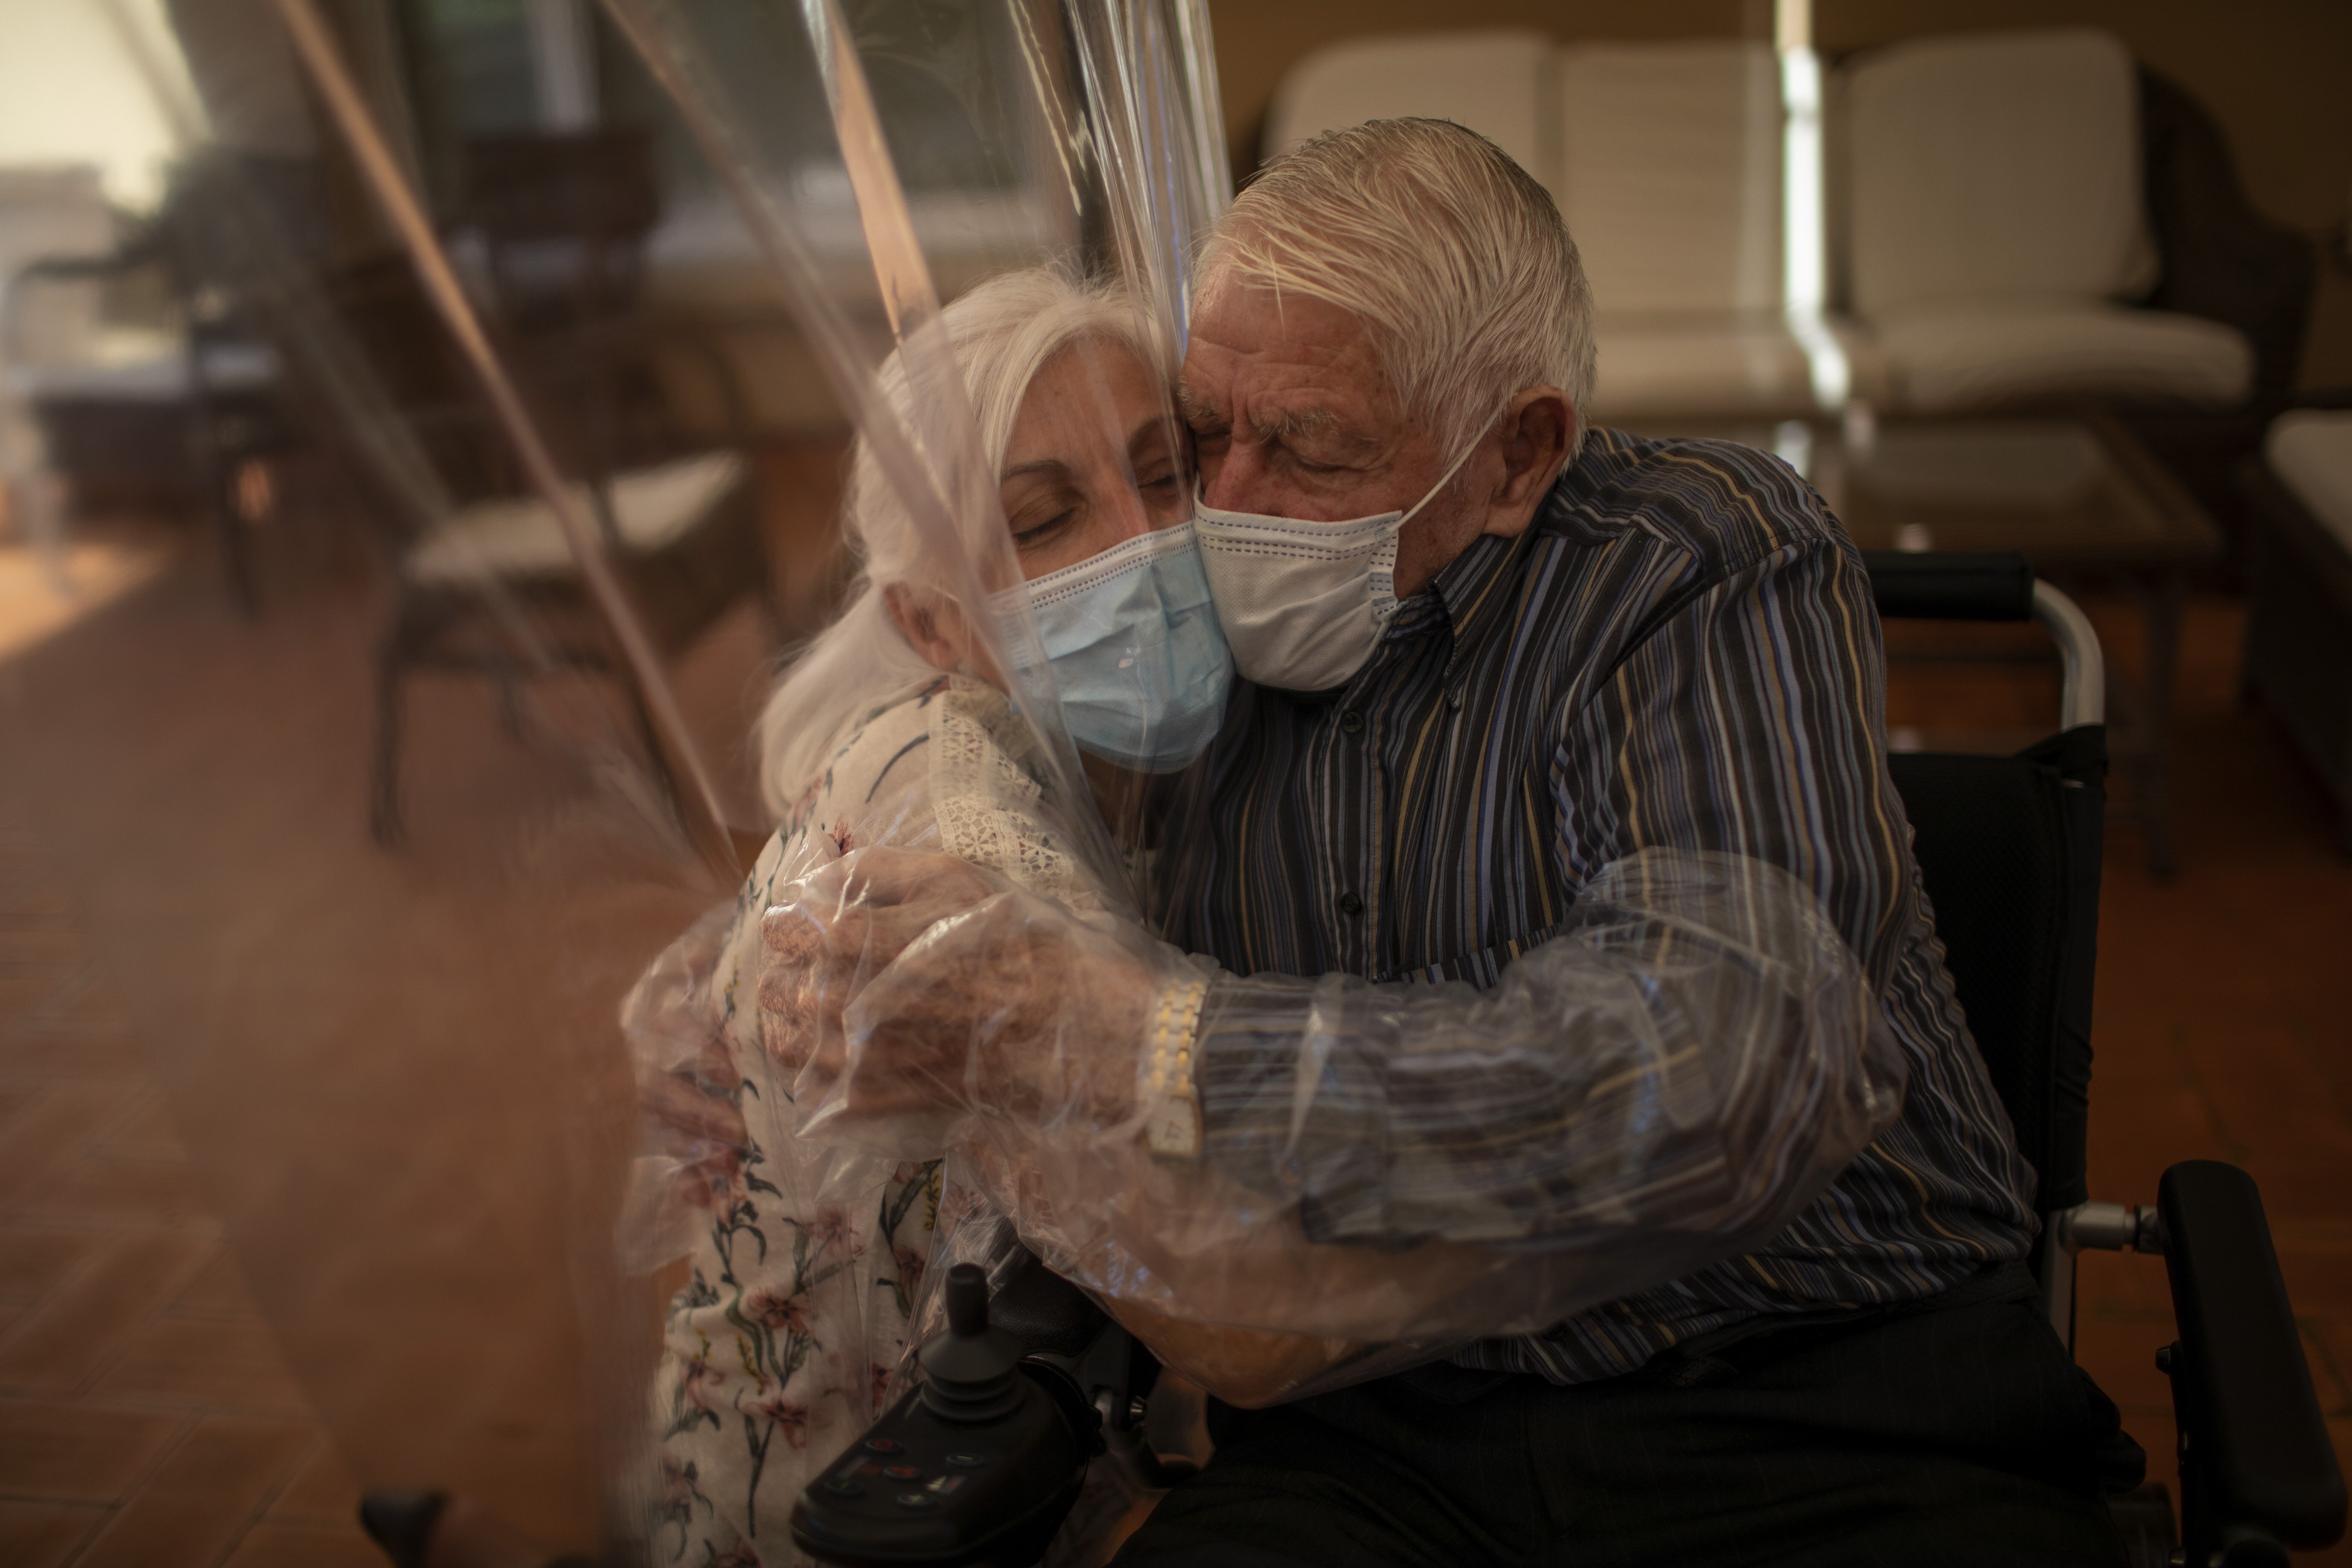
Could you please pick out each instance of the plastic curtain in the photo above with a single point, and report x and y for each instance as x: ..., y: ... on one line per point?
x: 983, y: 220
x: 367, y: 874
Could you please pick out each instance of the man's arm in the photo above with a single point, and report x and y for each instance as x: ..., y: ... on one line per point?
x: 1666, y: 1083
x: 1662, y: 1085
x: 1747, y: 723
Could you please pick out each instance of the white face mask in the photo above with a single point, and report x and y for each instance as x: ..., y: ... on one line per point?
x: 1304, y: 604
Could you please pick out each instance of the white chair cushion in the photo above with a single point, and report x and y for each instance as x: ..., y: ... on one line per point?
x: 652, y: 507
x: 1492, y: 82
x: 1965, y: 357
x: 2311, y: 451
x: 133, y: 366
x: 1724, y: 365
x: 1999, y: 164
x: 1669, y: 174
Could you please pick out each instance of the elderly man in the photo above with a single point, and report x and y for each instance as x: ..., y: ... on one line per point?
x: 1491, y: 654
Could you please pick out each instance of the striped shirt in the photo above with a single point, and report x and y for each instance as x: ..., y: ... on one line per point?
x: 1681, y: 651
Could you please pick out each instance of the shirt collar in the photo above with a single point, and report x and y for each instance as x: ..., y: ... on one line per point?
x: 1474, y: 588
x: 1466, y: 594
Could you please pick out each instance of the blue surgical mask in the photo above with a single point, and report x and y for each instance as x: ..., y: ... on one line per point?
x: 1137, y: 653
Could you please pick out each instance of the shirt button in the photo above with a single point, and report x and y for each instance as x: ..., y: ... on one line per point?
x: 1350, y: 904
x: 1352, y: 722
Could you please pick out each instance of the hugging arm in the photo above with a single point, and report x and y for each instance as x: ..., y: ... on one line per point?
x: 1742, y: 734
x: 1663, y: 1083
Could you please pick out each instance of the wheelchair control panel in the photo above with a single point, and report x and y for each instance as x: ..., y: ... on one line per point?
x: 978, y: 1466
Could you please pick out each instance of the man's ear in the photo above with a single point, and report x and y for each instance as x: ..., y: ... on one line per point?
x: 1535, y: 430
x: 933, y: 626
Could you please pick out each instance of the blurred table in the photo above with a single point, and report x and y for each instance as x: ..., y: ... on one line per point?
x: 2080, y: 497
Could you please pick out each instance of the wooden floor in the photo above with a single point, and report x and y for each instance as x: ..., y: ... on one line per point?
x: 147, y: 1413
x: 296, y: 1136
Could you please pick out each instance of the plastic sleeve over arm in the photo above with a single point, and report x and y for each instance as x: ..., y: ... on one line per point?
x: 1661, y: 1085
x: 1696, y: 1053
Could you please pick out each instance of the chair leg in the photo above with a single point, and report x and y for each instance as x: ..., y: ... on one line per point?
x: 236, y: 554
x: 2340, y: 786
x: 650, y: 738
x: 772, y: 612
x: 384, y: 824
x: 509, y: 682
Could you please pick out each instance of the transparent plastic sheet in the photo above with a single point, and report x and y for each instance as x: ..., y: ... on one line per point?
x: 1391, y: 1171
x: 395, y: 1069
x: 929, y: 1017
x: 1019, y: 500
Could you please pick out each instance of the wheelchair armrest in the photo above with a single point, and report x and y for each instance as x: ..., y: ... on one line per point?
x: 1049, y: 1316
x: 2255, y: 1460
x: 1951, y: 584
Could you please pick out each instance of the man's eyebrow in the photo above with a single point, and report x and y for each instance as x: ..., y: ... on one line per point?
x: 1194, y: 411
x: 1311, y: 424
x: 1294, y: 422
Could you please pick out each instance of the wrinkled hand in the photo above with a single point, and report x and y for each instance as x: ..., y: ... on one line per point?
x: 693, y: 1117
x: 896, y: 981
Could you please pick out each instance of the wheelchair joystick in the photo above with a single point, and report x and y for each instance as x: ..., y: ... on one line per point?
x: 971, y: 1373
x: 974, y: 1468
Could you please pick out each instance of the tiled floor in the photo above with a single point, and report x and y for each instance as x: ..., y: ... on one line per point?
x: 147, y: 1417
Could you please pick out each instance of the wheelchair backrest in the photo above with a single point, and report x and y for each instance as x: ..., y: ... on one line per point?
x: 2009, y: 854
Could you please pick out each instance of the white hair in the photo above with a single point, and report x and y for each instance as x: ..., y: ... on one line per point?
x: 1456, y: 256
x: 1003, y: 332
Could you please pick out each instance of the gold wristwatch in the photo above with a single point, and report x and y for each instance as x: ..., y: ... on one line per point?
x: 1172, y: 1106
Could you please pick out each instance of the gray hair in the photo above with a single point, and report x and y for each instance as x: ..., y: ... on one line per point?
x: 1457, y: 257
x: 1003, y: 332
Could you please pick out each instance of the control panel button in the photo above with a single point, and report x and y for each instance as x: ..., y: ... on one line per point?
x: 917, y: 1500
x: 883, y: 1446
x: 842, y: 1486
x: 902, y: 1472
x: 967, y: 1461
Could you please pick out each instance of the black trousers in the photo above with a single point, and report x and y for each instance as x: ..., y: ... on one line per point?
x: 1944, y: 1433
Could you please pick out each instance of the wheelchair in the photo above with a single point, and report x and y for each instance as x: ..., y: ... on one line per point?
x: 978, y: 1464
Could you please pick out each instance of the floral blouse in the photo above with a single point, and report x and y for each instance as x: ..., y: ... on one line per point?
x: 789, y: 1335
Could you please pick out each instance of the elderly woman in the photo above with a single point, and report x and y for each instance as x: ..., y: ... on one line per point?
x: 889, y: 730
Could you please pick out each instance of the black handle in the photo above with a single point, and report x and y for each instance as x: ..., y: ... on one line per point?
x: 967, y: 1300
x: 2256, y: 1461
x: 1951, y: 584
x: 969, y: 1371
